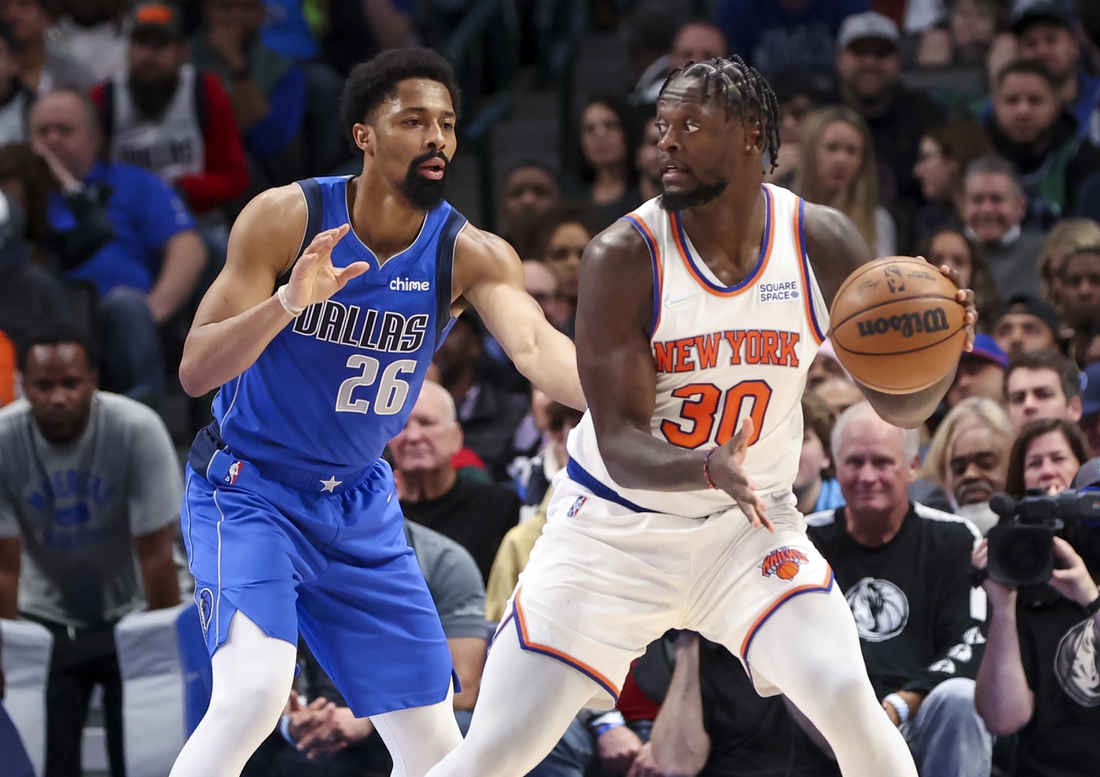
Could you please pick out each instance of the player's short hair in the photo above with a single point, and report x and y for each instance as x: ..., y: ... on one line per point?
x: 741, y: 85
x: 909, y: 438
x: 1068, y: 374
x: 373, y: 82
x: 56, y: 332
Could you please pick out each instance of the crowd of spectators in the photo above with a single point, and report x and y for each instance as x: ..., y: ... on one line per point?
x: 965, y: 131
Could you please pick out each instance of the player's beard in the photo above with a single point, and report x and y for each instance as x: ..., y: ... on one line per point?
x: 424, y: 193
x: 693, y: 198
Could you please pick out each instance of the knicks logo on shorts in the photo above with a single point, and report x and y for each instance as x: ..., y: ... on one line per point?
x: 234, y: 471
x: 578, y: 503
x: 783, y: 563
x: 205, y: 600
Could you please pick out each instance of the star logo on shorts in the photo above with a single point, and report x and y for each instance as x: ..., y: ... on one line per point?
x: 330, y: 484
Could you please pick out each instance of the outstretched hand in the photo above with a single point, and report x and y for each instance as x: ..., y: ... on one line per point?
x: 727, y: 473
x: 314, y: 278
x: 965, y: 297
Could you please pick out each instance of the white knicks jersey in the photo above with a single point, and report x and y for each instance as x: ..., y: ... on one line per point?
x: 723, y: 353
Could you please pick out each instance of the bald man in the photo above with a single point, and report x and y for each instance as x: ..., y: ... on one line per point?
x: 476, y: 515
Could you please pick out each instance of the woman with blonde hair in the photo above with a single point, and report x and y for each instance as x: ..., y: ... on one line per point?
x: 1064, y: 238
x: 836, y: 167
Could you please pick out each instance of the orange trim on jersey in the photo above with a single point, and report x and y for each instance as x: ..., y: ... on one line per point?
x: 804, y: 271
x: 658, y: 268
x: 526, y: 643
x: 680, y: 238
x: 786, y: 596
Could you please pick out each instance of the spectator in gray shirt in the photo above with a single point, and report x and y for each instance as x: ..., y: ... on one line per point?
x: 90, y: 488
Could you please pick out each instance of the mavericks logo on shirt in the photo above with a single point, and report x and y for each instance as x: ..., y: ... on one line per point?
x: 1077, y: 664
x: 879, y: 607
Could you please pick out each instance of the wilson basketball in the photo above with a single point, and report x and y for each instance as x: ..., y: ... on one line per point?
x: 896, y: 325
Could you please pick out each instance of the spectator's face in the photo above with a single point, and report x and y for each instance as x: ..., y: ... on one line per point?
x: 839, y: 156
x: 430, y: 437
x: 458, y: 351
x: 648, y: 159
x: 813, y: 459
x: 993, y: 205
x: 1049, y: 463
x: 1081, y: 288
x: 1090, y: 425
x: 244, y: 15
x: 793, y: 116
x: 976, y: 377
x: 869, y: 68
x: 59, y: 384
x: 872, y: 468
x: 951, y: 248
x: 1025, y: 107
x: 972, y: 24
x: 155, y: 58
x: 1051, y: 45
x: 937, y: 174
x: 61, y: 122
x: 528, y: 193
x: 697, y: 43
x: 602, y: 140
x: 544, y: 287
x: 1035, y: 394
x: 839, y: 394
x: 27, y: 19
x: 823, y: 368
x: 563, y: 255
x: 977, y: 464
x: 1019, y: 333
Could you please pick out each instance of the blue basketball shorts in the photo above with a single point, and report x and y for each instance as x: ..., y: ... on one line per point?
x: 334, y: 566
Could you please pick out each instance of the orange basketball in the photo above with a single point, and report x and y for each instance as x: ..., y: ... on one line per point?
x: 896, y: 325
x: 787, y: 570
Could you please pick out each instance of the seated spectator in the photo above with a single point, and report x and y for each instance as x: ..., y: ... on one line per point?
x: 528, y: 191
x: 974, y: 28
x: 1026, y: 323
x: 647, y: 161
x: 1045, y: 34
x: 1042, y: 384
x: 824, y: 367
x: 905, y: 571
x: 798, y: 97
x: 1029, y: 128
x: 42, y: 65
x: 1045, y: 457
x: 993, y: 211
x: 1080, y: 290
x: 1066, y: 236
x: 354, y: 31
x: 267, y: 90
x: 166, y: 116
x: 839, y: 393
x: 815, y: 486
x: 533, y: 480
x: 836, y: 167
x: 1038, y: 674
x: 323, y: 738
x: 952, y: 247
x: 942, y: 158
x: 15, y: 97
x: 779, y: 35
x: 488, y: 410
x: 980, y: 372
x: 696, y: 41
x: 607, y: 141
x: 968, y: 456
x: 544, y: 286
x: 93, y: 35
x: 90, y: 497
x: 562, y: 235
x: 868, y: 68
x: 1090, y: 406
x: 475, y: 515
x: 150, y: 268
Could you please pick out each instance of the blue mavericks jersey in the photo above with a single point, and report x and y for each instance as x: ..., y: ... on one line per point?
x: 331, y: 390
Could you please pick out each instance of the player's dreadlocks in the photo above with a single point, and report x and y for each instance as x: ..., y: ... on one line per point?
x: 743, y: 86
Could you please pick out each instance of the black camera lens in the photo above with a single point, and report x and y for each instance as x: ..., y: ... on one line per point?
x: 1021, y: 554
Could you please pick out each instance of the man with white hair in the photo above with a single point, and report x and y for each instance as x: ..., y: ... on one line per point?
x: 905, y: 570
x: 476, y: 515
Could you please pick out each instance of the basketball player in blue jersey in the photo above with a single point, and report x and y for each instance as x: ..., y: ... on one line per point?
x: 698, y: 317
x: 335, y: 294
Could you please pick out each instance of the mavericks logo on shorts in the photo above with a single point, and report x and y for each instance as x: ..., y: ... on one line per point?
x: 234, y: 472
x: 205, y: 600
x: 783, y: 563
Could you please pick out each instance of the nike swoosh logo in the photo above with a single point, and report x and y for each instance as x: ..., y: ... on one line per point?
x: 677, y: 303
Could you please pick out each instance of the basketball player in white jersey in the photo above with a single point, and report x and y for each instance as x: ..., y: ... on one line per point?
x: 698, y: 319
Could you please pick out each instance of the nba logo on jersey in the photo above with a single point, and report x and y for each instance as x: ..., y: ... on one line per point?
x: 576, y: 506
x: 783, y: 563
x: 234, y: 472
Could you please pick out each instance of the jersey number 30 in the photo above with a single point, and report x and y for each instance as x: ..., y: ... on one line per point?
x: 699, y: 412
x: 392, y: 390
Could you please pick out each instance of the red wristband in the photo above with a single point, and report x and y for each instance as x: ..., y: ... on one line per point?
x: 706, y: 469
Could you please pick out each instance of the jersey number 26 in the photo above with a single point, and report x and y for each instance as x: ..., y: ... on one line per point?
x: 392, y: 390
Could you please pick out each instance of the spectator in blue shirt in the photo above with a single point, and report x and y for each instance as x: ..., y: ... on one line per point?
x: 149, y: 270
x: 778, y: 35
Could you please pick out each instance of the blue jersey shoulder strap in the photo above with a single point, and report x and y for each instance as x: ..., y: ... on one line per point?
x: 315, y: 212
x: 444, y: 269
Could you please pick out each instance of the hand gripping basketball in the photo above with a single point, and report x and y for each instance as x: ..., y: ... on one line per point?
x: 965, y: 297
x: 314, y: 278
x: 725, y: 469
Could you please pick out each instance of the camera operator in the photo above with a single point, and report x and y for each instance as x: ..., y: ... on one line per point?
x: 1040, y: 674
